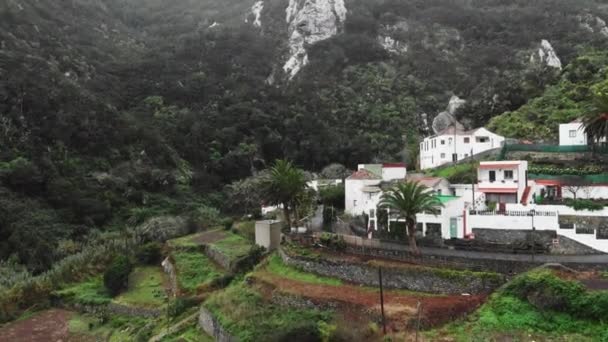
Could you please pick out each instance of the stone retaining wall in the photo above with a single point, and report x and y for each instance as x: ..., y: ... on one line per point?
x: 213, y: 327
x: 451, y: 261
x: 112, y: 308
x: 219, y: 257
x: 422, y: 279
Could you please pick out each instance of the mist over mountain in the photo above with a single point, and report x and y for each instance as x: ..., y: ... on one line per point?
x: 105, y: 103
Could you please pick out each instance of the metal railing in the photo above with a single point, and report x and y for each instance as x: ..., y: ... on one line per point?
x: 511, y: 213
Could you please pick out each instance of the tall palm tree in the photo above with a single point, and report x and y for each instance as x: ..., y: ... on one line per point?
x: 596, y: 121
x: 408, y: 199
x: 284, y: 185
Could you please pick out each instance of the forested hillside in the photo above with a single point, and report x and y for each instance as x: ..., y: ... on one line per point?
x: 109, y: 108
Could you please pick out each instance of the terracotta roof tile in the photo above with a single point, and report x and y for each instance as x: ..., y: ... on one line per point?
x: 363, y: 174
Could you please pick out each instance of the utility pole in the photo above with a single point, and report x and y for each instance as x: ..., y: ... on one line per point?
x: 533, y: 212
x: 381, y: 300
x: 419, y: 311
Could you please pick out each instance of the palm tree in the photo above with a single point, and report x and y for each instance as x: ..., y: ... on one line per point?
x: 284, y: 185
x: 596, y: 121
x: 408, y: 199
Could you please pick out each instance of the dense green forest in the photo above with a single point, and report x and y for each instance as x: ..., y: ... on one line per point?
x: 113, y: 111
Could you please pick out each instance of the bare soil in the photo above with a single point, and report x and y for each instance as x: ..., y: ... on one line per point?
x: 209, y: 237
x: 591, y: 279
x: 400, y: 308
x: 46, y: 326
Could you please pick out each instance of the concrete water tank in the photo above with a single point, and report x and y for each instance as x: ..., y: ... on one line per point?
x: 268, y: 234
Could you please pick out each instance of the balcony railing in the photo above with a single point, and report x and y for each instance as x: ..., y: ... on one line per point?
x: 511, y: 213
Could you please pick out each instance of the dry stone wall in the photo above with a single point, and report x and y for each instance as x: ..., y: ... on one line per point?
x: 422, y: 279
x: 213, y: 327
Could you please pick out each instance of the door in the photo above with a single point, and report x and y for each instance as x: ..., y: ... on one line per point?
x: 492, y: 176
x: 453, y: 227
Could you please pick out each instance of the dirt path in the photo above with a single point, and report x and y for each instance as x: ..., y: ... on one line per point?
x: 46, y: 326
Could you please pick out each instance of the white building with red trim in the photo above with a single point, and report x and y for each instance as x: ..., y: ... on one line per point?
x: 504, y: 181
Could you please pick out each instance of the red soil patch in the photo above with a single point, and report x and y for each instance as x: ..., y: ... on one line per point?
x: 47, y: 326
x: 209, y: 237
x: 400, y: 308
x: 591, y: 279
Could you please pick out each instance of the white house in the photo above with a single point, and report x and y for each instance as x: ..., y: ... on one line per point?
x: 453, y: 144
x: 448, y: 224
x: 504, y: 181
x: 439, y: 185
x: 362, y: 189
x: 572, y: 134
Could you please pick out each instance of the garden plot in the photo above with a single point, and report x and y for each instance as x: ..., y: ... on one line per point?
x: 401, y: 307
x: 224, y: 247
x: 147, y: 289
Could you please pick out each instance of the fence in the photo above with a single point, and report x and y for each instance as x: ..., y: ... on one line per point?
x: 555, y: 148
x: 511, y: 213
x: 588, y: 179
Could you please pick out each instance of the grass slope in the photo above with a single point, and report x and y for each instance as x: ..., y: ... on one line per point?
x: 576, y: 314
x: 89, y: 292
x: 194, y: 269
x: 247, y: 316
x: 233, y: 245
x: 146, y: 288
x: 275, y: 265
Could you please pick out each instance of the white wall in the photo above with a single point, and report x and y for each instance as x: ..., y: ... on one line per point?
x: 579, y: 138
x: 320, y: 183
x: 512, y: 222
x: 452, y: 209
x: 392, y: 173
x: 353, y: 191
x: 433, y: 153
x: 540, y: 222
x: 518, y: 182
x: 585, y: 192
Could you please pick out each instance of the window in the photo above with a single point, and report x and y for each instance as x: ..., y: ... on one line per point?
x: 372, y: 213
x: 467, y: 140
x: 450, y: 141
x: 572, y: 133
x: 443, y: 156
x: 492, y: 176
x: 482, y: 139
x: 442, y: 142
x: 508, y: 174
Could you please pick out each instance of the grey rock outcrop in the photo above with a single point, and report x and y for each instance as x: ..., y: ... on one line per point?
x: 310, y: 21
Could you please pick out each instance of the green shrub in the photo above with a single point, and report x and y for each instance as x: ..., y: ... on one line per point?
x: 227, y: 223
x: 332, y: 196
x: 583, y: 204
x: 179, y: 305
x: 553, y: 293
x: 206, y: 217
x: 326, y: 330
x: 333, y: 241
x: 116, y: 276
x: 149, y: 253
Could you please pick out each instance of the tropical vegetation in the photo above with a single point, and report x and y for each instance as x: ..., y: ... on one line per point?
x: 408, y: 199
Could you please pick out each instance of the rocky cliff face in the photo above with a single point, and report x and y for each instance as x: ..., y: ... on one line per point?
x: 546, y: 55
x: 310, y: 21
